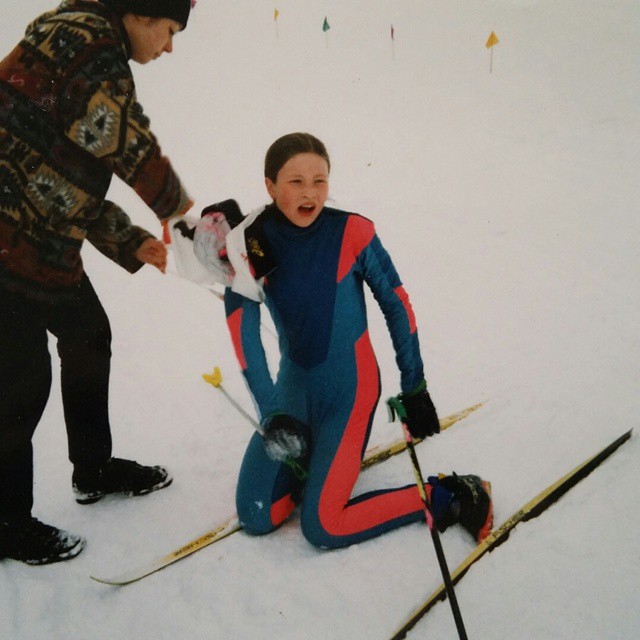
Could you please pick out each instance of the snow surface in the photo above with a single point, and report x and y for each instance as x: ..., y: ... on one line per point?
x: 509, y: 201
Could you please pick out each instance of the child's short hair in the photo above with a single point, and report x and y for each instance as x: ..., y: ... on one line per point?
x: 284, y: 148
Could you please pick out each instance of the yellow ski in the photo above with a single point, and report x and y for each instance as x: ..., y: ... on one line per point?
x: 530, y: 510
x: 373, y: 456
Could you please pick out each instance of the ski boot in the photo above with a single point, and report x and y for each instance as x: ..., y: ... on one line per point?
x: 470, y: 504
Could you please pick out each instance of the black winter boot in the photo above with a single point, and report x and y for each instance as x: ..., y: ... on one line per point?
x: 30, y: 541
x: 118, y: 476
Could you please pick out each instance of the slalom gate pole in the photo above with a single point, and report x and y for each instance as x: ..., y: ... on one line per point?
x: 396, y: 407
x: 215, y: 380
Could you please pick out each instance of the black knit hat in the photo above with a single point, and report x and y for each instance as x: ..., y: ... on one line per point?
x: 177, y: 10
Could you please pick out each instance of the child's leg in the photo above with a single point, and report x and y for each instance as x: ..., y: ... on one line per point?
x: 267, y: 491
x: 330, y: 516
x: 25, y: 381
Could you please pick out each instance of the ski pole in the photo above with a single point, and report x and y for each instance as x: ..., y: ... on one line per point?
x: 397, y: 408
x: 215, y: 379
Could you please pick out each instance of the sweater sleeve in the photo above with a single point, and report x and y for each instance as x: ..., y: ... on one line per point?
x: 243, y: 321
x: 103, y: 117
x: 383, y: 280
x: 115, y: 237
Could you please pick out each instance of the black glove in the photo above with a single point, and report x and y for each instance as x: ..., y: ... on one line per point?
x: 231, y: 211
x: 422, y: 419
x: 285, y: 438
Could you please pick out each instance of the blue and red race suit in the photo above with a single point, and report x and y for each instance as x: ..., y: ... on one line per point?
x: 328, y: 376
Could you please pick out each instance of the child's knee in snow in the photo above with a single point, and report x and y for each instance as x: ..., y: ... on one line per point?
x: 255, y: 519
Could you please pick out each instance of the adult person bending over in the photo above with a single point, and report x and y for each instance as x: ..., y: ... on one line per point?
x: 69, y: 120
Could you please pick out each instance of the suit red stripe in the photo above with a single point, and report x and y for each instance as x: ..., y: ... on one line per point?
x: 281, y: 510
x: 404, y: 298
x: 335, y: 516
x: 357, y: 235
x: 234, y: 322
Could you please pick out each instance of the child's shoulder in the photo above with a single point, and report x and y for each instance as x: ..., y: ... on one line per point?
x: 358, y: 234
x: 350, y: 217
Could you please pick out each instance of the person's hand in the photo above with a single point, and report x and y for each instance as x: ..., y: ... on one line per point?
x: 422, y: 419
x: 154, y: 252
x: 284, y: 438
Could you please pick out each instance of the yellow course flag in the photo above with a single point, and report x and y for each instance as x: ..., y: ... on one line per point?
x: 492, y: 41
x: 276, y: 13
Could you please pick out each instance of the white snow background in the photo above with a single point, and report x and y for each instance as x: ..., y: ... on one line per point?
x: 509, y: 203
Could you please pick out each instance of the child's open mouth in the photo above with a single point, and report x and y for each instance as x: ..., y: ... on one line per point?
x: 306, y: 209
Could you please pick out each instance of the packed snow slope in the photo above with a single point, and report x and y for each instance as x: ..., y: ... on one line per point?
x: 508, y: 198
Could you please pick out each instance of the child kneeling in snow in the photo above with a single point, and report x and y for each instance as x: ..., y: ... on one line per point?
x: 308, y: 263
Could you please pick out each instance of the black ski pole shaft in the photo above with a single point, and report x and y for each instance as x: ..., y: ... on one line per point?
x: 396, y: 407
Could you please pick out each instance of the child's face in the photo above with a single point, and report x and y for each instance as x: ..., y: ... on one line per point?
x: 150, y: 37
x: 301, y: 188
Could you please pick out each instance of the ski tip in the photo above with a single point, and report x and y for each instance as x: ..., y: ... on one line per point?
x: 122, y: 580
x: 103, y: 581
x: 116, y: 582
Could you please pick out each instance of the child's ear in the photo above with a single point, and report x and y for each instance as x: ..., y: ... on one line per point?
x: 270, y: 188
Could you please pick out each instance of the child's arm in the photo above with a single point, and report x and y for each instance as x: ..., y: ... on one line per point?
x: 243, y: 320
x: 384, y: 281
x: 102, y: 83
x: 381, y: 276
x: 114, y: 235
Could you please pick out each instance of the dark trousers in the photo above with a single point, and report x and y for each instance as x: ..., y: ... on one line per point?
x: 82, y: 329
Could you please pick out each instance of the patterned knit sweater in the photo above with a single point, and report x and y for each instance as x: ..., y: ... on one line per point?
x: 69, y: 120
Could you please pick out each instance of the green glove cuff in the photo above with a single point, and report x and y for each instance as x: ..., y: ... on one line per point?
x: 422, y: 386
x: 395, y: 405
